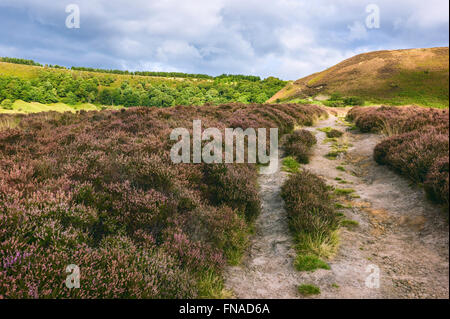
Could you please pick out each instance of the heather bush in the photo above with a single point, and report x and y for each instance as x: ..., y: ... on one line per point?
x: 395, y: 120
x: 417, y: 146
x: 233, y: 187
x: 311, y: 214
x: 436, y: 181
x: 98, y: 189
x: 309, y: 204
x: 298, y: 145
x: 334, y: 133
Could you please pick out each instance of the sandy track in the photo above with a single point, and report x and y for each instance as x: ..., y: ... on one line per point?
x: 266, y: 270
x: 399, y: 232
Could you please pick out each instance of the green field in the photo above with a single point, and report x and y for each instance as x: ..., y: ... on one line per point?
x: 20, y: 106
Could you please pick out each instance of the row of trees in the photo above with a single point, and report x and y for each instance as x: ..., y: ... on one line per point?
x: 19, y: 61
x: 228, y: 77
x: 51, y: 86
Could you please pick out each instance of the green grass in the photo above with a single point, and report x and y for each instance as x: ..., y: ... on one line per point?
x: 317, y: 244
x: 341, y: 206
x: 407, y: 77
x: 290, y: 165
x: 211, y: 286
x: 340, y: 180
x: 340, y: 168
x: 332, y: 155
x: 343, y: 191
x: 308, y: 290
x: 20, y: 106
x: 325, y: 129
x: 329, y: 140
x: 429, y: 89
x: 336, y: 149
x: 309, y: 263
x: 349, y: 223
x: 344, y: 121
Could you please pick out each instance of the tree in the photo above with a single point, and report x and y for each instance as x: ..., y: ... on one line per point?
x: 105, y: 97
x: 7, y: 104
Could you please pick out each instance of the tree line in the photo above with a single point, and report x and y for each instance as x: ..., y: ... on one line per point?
x: 229, y: 77
x: 51, y: 86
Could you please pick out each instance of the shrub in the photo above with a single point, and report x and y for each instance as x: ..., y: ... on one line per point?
x: 98, y: 189
x: 397, y: 119
x: 7, y: 104
x: 298, y: 145
x: 418, y: 145
x: 436, y: 181
x: 334, y: 133
x: 336, y: 96
x: 334, y: 102
x: 311, y: 214
x: 414, y: 153
x: 233, y: 185
x: 308, y: 290
x: 309, y: 263
x: 353, y: 100
x: 290, y: 165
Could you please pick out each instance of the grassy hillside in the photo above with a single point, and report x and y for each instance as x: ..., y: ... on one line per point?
x: 20, y: 106
x: 415, y: 76
x: 61, y: 88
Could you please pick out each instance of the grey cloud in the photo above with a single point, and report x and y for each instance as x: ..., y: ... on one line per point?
x: 285, y: 38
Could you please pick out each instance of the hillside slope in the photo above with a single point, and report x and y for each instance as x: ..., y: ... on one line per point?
x: 414, y: 76
x: 29, y: 83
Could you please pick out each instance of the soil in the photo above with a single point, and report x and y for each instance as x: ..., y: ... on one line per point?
x: 399, y: 233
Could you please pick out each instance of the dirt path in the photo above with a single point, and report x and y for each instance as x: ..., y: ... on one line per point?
x: 266, y: 270
x: 399, y: 233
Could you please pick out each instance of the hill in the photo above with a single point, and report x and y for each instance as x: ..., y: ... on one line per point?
x: 25, y: 81
x: 414, y: 76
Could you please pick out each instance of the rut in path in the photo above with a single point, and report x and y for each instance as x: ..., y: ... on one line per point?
x: 266, y: 270
x: 399, y: 232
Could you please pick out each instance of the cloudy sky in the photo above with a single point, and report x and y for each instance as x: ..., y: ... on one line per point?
x: 284, y: 38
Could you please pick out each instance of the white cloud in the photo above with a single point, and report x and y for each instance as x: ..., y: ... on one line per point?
x: 285, y: 38
x: 358, y: 31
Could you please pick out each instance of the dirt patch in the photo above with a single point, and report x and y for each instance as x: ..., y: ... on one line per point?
x: 267, y: 269
x: 399, y: 233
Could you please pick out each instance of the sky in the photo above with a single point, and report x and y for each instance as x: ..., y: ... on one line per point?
x: 288, y: 39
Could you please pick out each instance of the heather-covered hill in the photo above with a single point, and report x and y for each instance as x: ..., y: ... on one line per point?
x: 398, y: 77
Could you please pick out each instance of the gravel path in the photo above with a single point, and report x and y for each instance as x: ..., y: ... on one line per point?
x: 400, y: 234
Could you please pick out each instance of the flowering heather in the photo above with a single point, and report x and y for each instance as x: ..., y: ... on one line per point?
x: 309, y: 204
x: 98, y: 190
x: 312, y: 217
x: 418, y: 145
x: 299, y: 144
x: 394, y: 120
